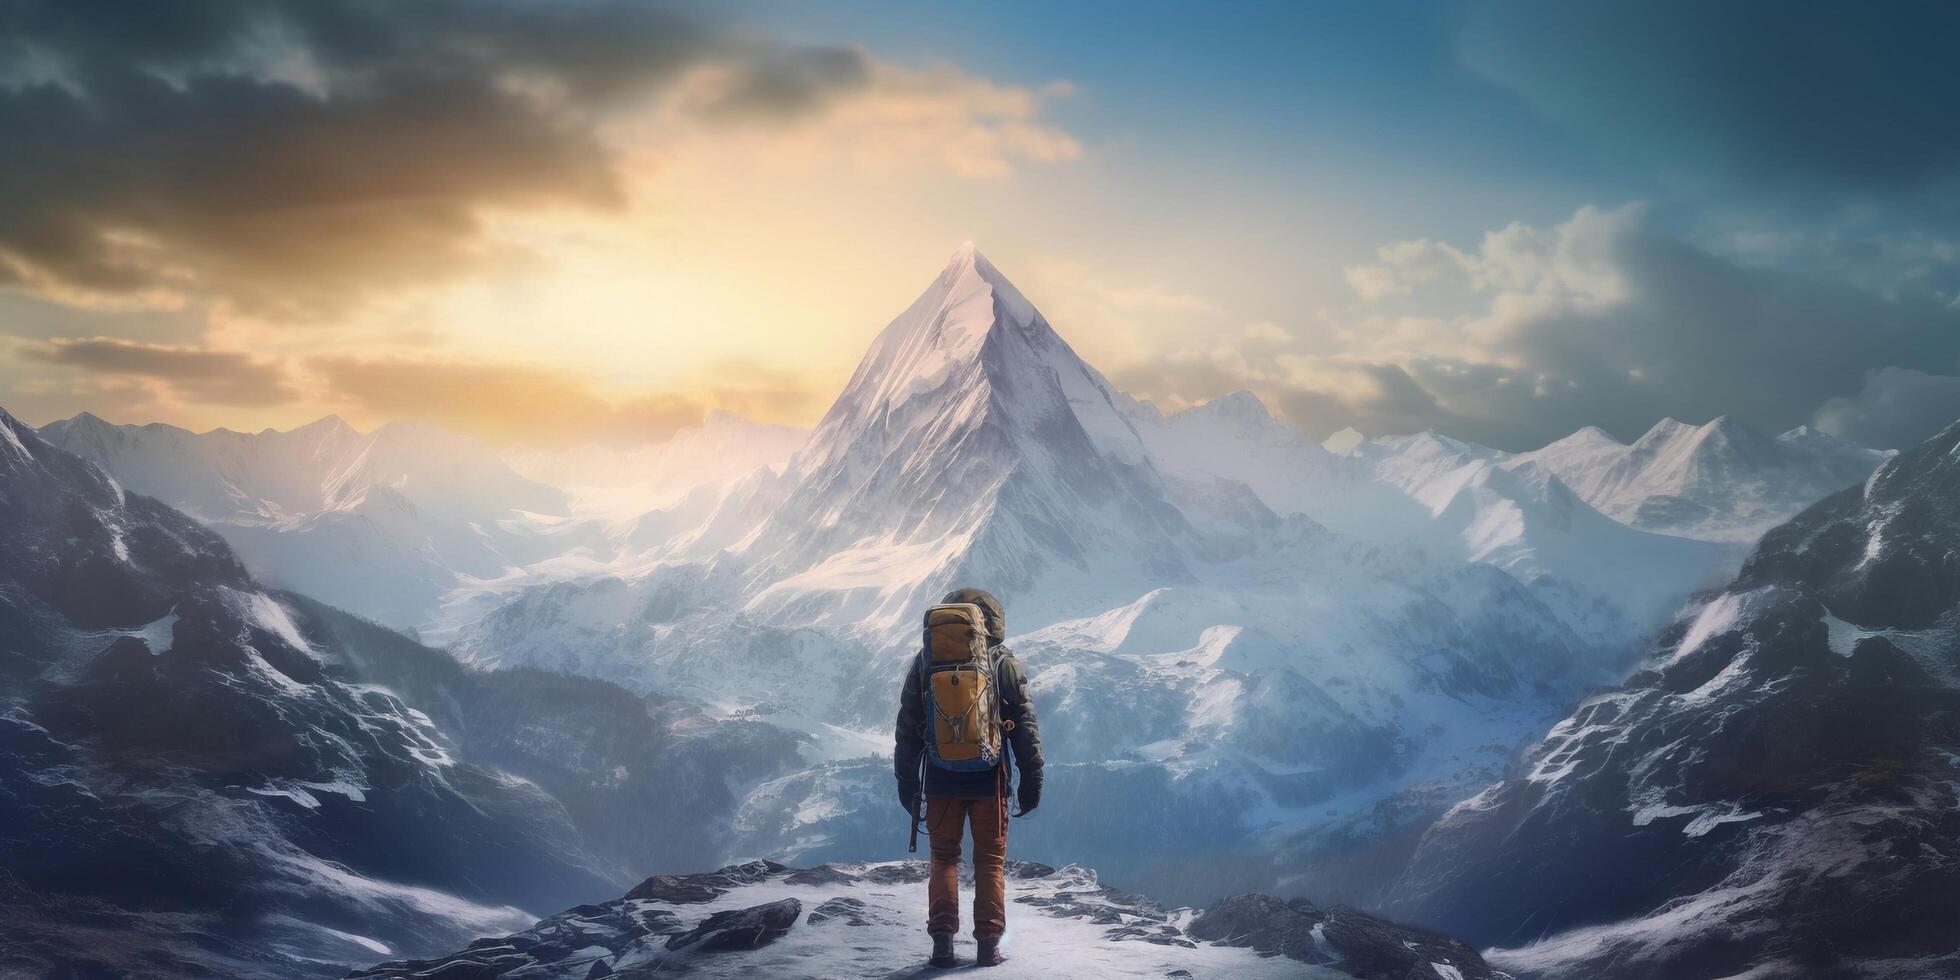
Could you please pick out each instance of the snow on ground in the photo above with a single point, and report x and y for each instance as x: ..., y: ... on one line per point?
x: 868, y: 920
x: 893, y: 942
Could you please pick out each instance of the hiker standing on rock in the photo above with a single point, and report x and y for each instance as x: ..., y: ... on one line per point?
x: 963, y: 703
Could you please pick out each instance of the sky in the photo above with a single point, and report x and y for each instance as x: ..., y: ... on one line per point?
x: 559, y: 223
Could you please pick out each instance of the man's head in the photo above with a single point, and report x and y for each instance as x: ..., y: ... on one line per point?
x: 990, y: 609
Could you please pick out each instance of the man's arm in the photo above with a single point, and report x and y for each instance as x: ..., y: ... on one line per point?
x: 1024, y: 737
x: 908, y: 740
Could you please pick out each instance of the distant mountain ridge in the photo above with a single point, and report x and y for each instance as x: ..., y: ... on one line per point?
x: 385, y: 523
x: 1721, y: 481
x: 438, y: 515
x: 724, y: 447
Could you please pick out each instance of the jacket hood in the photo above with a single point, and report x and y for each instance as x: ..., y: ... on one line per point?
x: 990, y: 609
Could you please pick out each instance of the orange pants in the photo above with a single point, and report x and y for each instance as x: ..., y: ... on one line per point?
x: 946, y: 821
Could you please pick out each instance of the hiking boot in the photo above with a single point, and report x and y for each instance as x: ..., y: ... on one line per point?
x: 942, y: 951
x: 989, y: 954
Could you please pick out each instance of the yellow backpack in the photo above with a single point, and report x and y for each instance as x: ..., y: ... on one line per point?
x: 962, y: 701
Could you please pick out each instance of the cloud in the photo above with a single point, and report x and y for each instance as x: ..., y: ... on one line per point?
x: 1372, y: 282
x: 1157, y: 298
x: 788, y: 83
x: 883, y: 117
x: 1846, y: 101
x: 1897, y: 408
x: 537, y: 405
x: 1601, y: 320
x: 297, y: 157
x: 1267, y: 332
x: 217, y: 376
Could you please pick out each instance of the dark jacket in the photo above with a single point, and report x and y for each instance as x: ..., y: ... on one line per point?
x: 1023, y: 739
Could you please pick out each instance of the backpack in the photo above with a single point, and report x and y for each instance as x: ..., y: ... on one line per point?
x: 957, y: 686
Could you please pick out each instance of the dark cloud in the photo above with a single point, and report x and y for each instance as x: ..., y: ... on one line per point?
x: 1842, y: 99
x: 1695, y: 335
x: 516, y: 403
x: 294, y: 154
x: 1383, y: 397
x: 1897, y: 408
x: 221, y: 377
x: 791, y: 82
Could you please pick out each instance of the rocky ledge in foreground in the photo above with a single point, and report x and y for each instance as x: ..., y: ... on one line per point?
x: 867, y: 920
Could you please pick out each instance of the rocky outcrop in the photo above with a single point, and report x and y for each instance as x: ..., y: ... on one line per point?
x: 697, y: 888
x: 1340, y: 938
x: 749, y: 928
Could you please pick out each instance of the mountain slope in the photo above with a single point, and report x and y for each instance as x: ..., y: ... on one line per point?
x: 198, y: 776
x: 180, y: 756
x: 1775, y: 790
x: 1722, y: 481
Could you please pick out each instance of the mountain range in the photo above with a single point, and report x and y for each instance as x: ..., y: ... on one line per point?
x: 1191, y: 579
x: 1722, y: 481
x: 385, y: 523
x: 1261, y: 665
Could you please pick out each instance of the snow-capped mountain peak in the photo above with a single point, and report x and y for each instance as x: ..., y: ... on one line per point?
x: 970, y: 441
x: 969, y: 337
x: 1591, y: 439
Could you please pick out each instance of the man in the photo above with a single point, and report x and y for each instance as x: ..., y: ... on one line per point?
x: 955, y: 800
